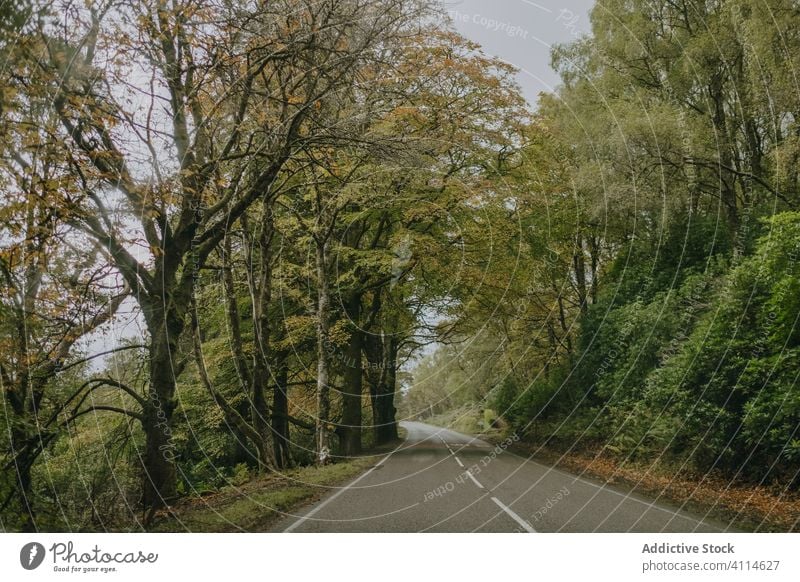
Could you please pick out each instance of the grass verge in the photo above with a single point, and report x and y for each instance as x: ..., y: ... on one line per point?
x: 256, y: 505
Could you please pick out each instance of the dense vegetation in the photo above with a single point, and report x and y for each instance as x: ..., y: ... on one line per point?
x: 236, y: 237
x: 670, y: 243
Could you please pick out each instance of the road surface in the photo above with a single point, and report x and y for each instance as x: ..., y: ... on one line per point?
x: 439, y: 480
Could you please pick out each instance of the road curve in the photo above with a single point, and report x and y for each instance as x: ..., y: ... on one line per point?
x: 439, y: 480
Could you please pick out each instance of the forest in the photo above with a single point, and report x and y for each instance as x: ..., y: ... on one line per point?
x: 243, y: 238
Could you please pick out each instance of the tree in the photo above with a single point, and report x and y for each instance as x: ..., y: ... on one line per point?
x: 55, y: 288
x: 240, y: 88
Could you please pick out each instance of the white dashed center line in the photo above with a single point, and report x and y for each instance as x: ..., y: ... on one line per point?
x: 474, y: 480
x: 525, y: 525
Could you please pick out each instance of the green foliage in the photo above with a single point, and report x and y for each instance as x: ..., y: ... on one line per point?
x: 89, y: 481
x: 702, y: 372
x: 686, y: 355
x: 505, y: 396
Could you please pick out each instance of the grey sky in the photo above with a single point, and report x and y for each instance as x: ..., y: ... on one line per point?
x: 521, y: 32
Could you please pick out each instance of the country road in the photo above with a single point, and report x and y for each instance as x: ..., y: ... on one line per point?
x: 439, y: 480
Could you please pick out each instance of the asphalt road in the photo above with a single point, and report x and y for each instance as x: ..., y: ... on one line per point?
x: 439, y: 480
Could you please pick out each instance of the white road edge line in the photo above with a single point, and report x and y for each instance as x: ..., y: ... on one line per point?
x: 525, y: 525
x: 460, y: 464
x: 608, y: 488
x: 474, y: 480
x: 301, y: 519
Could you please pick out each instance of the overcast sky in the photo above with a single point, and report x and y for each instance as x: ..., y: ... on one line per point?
x: 521, y: 32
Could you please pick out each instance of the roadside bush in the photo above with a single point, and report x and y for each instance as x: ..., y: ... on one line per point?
x: 698, y: 366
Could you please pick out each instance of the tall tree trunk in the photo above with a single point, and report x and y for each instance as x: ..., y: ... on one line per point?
x: 350, y: 428
x: 234, y: 319
x: 165, y: 315
x: 260, y: 282
x: 387, y: 421
x: 280, y: 412
x: 579, y: 268
x: 322, y: 432
x: 20, y: 442
x: 373, y: 351
x: 594, y: 253
x: 20, y: 397
x: 562, y: 320
x: 160, y: 479
x: 243, y: 373
x: 381, y: 352
x: 726, y: 155
x: 262, y: 417
x: 553, y: 355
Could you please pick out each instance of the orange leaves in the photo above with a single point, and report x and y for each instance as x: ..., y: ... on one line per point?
x: 776, y: 509
x: 408, y: 112
x: 9, y: 256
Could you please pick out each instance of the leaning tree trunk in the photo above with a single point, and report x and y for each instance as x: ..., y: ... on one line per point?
x: 262, y: 417
x: 322, y: 431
